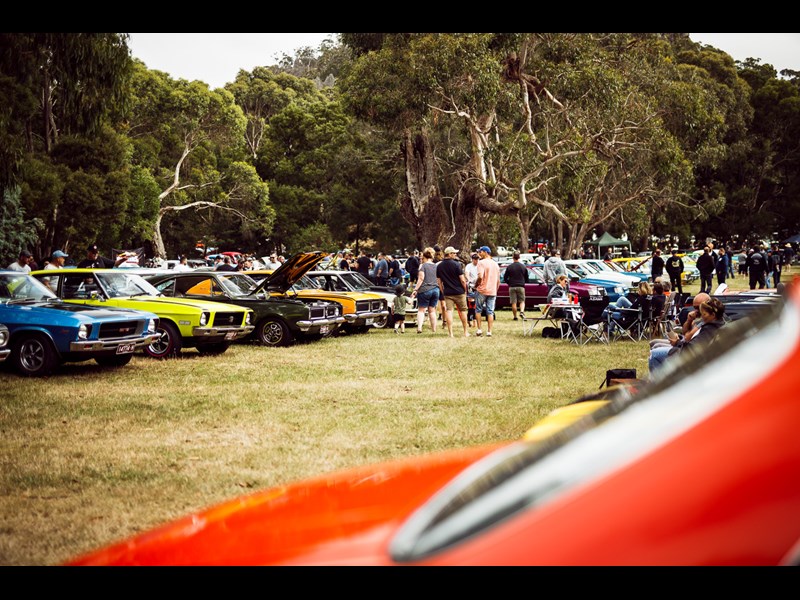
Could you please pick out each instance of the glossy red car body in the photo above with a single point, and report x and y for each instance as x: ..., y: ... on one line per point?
x: 700, y: 466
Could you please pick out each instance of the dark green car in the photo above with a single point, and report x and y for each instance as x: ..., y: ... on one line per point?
x: 278, y: 321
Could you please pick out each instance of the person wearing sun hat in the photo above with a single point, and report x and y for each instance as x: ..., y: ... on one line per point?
x: 486, y: 286
x: 453, y: 288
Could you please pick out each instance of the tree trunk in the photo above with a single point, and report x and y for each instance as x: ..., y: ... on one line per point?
x: 158, y: 241
x: 421, y: 203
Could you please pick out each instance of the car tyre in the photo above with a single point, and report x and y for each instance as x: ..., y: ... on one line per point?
x: 169, y: 344
x: 273, y: 332
x: 213, y: 349
x: 383, y: 322
x: 114, y: 360
x: 34, y: 355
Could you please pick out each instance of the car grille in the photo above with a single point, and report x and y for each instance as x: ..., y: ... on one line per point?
x: 370, y: 305
x: 228, y: 318
x: 118, y: 329
x: 323, y: 312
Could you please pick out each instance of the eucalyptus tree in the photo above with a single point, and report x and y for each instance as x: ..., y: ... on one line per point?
x: 568, y: 127
x: 191, y: 140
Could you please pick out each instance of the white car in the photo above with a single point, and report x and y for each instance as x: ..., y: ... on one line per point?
x: 593, y: 268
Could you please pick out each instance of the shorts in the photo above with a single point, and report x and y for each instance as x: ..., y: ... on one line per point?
x: 428, y: 299
x: 485, y: 304
x: 459, y: 301
x: 516, y: 295
x: 398, y: 318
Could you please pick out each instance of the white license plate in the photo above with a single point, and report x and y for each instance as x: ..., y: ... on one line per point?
x: 369, y: 321
x: 230, y: 335
x: 126, y: 348
x: 323, y: 330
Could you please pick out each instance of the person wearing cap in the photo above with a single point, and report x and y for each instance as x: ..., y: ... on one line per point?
x: 515, y: 276
x: 471, y: 273
x: 93, y: 260
x: 486, y: 285
x: 57, y: 262
x: 22, y: 264
x: 674, y: 267
x: 453, y: 288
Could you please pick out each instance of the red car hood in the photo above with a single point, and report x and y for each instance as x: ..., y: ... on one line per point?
x: 698, y: 467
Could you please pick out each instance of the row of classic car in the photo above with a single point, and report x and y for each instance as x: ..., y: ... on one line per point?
x: 54, y: 316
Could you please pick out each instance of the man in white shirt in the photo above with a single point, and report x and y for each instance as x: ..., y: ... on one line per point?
x: 57, y: 262
x: 21, y: 264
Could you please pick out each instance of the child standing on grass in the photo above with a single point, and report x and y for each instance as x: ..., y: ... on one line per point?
x: 399, y: 308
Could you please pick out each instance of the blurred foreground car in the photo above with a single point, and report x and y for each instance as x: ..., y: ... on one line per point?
x: 46, y: 332
x: 4, y: 337
x: 697, y: 466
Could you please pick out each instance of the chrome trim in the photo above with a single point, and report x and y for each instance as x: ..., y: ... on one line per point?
x: 306, y: 325
x: 4, y: 352
x: 211, y: 331
x: 111, y: 343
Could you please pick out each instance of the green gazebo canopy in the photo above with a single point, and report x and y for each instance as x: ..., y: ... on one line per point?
x: 606, y: 240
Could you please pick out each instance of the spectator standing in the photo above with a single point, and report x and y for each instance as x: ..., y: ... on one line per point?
x: 723, y: 265
x: 656, y: 265
x: 183, y: 264
x: 705, y: 264
x: 226, y: 265
x: 426, y: 291
x: 363, y: 264
x: 777, y: 266
x: 57, y: 262
x: 674, y: 267
x: 394, y: 270
x: 453, y: 288
x: 93, y: 259
x: 756, y: 267
x: 412, y: 266
x: 344, y: 263
x: 515, y: 275
x: 553, y: 267
x: 609, y: 255
x: 22, y: 264
x: 381, y: 270
x: 471, y: 273
x: 729, y: 253
x: 486, y: 286
x: 741, y: 260
x: 788, y: 253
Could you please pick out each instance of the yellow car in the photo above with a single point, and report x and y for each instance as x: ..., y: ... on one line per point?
x: 184, y: 323
x: 361, y: 310
x: 639, y: 264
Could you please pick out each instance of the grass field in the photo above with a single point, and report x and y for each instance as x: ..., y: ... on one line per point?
x: 91, y: 455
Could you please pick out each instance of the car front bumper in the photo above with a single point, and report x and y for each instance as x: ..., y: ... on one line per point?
x: 4, y: 352
x: 365, y: 318
x: 307, y: 325
x: 111, y: 343
x: 207, y: 332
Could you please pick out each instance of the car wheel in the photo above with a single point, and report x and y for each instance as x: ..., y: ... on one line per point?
x: 169, y: 344
x: 213, y: 349
x: 381, y: 323
x: 34, y: 355
x: 114, y: 360
x: 273, y: 332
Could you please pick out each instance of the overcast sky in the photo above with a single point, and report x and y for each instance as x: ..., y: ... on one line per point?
x: 216, y: 58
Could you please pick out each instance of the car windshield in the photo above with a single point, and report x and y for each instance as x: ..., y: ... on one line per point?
x: 355, y: 281
x: 237, y: 284
x: 583, y: 270
x: 19, y: 288
x: 306, y: 283
x: 119, y: 284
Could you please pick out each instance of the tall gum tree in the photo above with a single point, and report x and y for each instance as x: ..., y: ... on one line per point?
x: 180, y: 130
x: 559, y: 122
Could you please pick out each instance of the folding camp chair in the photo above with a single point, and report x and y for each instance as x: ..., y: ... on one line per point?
x: 662, y: 323
x: 626, y: 325
x: 592, y: 323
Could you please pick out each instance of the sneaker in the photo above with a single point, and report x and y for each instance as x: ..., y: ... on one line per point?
x: 397, y: 331
x: 488, y: 334
x: 516, y: 319
x: 466, y: 334
x: 478, y: 332
x: 521, y: 315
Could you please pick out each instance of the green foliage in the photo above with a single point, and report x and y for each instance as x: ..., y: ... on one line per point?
x: 16, y: 232
x: 313, y: 237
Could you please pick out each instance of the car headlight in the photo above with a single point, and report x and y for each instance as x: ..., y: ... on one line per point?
x: 248, y: 318
x: 83, y: 331
x: 3, y: 338
x: 204, y: 318
x: 151, y: 326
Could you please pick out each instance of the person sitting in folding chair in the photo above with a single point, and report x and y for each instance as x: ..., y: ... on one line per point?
x: 589, y: 320
x: 559, y: 294
x: 625, y: 317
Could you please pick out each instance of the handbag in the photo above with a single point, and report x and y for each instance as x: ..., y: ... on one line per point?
x: 618, y: 374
